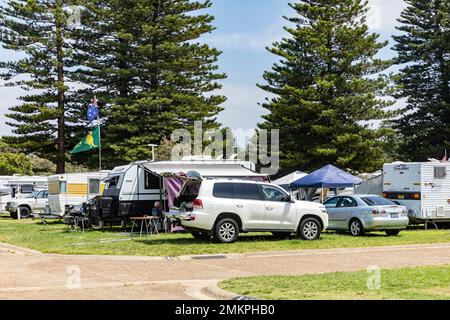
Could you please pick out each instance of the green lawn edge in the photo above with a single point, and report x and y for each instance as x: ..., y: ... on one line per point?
x: 419, y: 283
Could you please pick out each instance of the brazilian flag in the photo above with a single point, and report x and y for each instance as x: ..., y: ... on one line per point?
x: 91, y: 142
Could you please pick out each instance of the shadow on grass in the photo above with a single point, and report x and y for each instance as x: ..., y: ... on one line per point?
x: 248, y: 239
x: 191, y: 240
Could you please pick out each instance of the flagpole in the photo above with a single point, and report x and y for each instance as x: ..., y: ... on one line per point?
x: 100, y: 143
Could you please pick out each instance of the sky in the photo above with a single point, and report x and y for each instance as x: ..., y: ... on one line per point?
x: 244, y: 28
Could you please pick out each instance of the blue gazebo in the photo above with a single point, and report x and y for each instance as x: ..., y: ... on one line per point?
x: 328, y: 177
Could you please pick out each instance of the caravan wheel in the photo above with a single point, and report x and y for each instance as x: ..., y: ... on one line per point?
x: 97, y: 224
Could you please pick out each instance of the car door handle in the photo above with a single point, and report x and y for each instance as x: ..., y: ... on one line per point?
x: 240, y: 206
x: 269, y: 208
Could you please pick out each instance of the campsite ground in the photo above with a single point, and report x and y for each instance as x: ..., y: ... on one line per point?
x: 420, y: 283
x: 56, y: 238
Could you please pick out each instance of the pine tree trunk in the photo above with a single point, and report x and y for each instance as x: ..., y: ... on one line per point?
x: 61, y: 162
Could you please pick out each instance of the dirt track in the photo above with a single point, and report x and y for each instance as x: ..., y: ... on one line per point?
x: 30, y: 275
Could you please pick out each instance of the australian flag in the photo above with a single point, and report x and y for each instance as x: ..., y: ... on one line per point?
x: 93, y: 113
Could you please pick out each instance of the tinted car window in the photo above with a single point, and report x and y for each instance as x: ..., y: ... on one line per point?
x: 332, y: 203
x: 249, y: 191
x: 224, y: 190
x: 378, y: 201
x: 274, y: 194
x: 347, y: 203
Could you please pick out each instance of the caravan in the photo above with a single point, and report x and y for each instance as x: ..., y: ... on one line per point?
x: 424, y: 188
x: 69, y: 190
x: 132, y: 190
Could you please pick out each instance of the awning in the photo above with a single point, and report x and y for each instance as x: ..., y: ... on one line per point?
x: 327, y: 177
x: 205, y: 169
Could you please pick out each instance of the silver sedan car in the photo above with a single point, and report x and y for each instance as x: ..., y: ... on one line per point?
x: 363, y: 213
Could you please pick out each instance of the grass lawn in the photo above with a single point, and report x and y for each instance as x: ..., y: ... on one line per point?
x: 422, y: 283
x: 55, y: 238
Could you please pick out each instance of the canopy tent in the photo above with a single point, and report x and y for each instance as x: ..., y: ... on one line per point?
x: 327, y: 177
x: 286, y: 181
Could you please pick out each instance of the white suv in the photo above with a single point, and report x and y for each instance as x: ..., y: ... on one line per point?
x: 34, y: 203
x: 224, y: 208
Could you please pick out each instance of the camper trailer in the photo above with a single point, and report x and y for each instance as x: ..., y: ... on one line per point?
x: 424, y: 188
x: 132, y: 190
x: 70, y: 190
x: 17, y: 187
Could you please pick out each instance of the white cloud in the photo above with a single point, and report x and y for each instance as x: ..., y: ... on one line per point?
x: 246, y: 40
x: 8, y: 98
x: 241, y: 108
x: 383, y: 14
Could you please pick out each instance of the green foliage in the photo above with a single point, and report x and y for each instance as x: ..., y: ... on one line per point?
x: 164, y: 150
x: 424, y: 53
x: 144, y: 58
x: 329, y: 89
x: 37, y: 30
x: 15, y: 163
x: 12, y: 162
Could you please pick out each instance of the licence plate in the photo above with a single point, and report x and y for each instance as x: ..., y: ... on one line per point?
x: 395, y: 215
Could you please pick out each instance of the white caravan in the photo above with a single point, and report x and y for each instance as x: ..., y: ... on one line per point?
x: 132, y: 190
x: 17, y: 187
x: 66, y: 191
x: 424, y: 188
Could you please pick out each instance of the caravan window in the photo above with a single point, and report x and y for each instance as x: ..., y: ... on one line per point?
x: 29, y: 188
x: 57, y: 187
x: 62, y: 187
x: 94, y: 186
x: 114, y: 182
x: 152, y: 181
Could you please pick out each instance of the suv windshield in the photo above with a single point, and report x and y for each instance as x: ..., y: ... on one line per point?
x: 378, y: 201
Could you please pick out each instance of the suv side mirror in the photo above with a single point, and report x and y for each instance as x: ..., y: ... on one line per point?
x: 290, y: 199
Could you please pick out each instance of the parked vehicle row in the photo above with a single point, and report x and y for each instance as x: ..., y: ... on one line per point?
x: 215, y: 199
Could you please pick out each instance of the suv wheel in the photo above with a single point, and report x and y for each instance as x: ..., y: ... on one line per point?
x: 202, y: 236
x: 25, y: 213
x: 356, y: 228
x: 226, y: 231
x: 96, y: 224
x: 310, y: 229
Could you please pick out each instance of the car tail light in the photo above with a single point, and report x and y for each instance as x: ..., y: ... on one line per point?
x: 198, y: 204
x: 380, y: 212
